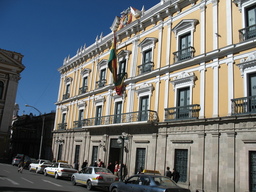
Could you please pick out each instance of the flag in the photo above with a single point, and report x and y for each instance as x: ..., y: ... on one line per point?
x: 112, y: 65
x: 112, y: 61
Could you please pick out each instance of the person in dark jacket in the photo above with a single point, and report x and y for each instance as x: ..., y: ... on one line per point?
x: 168, y: 173
x: 175, y: 175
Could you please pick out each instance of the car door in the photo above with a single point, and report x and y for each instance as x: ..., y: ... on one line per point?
x: 132, y: 184
x: 87, y: 175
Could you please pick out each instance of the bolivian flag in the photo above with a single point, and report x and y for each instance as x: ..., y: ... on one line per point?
x: 112, y: 61
x: 112, y: 65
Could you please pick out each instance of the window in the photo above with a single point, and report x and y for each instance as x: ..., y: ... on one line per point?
x: 184, y: 35
x: 84, y: 85
x: 102, y: 80
x: 252, y: 170
x: 63, y: 123
x: 140, y: 159
x: 118, y: 111
x: 1, y: 89
x: 143, y: 114
x: 252, y: 92
x: 147, y: 50
x: 181, y: 163
x: 80, y: 118
x: 183, y: 99
x: 98, y: 115
x: 102, y: 65
x: 77, y: 151
x: 67, y: 93
x: 122, y: 67
x: 94, y: 154
x: 250, y: 22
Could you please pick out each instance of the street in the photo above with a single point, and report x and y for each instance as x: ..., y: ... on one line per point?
x: 11, y: 180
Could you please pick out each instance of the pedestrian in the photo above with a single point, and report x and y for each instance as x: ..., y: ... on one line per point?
x: 95, y: 164
x: 175, y: 175
x: 168, y: 173
x: 116, y: 168
x: 85, y: 163
x: 76, y: 165
x: 111, y: 167
x: 21, y: 165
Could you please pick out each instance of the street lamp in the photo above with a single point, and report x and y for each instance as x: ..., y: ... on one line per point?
x: 121, y: 139
x: 42, y: 132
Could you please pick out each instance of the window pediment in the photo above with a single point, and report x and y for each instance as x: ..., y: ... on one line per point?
x: 148, y: 43
x: 247, y: 63
x: 64, y: 109
x: 68, y: 80
x: 186, y: 24
x: 99, y: 100
x: 123, y: 53
x: 145, y: 88
x: 103, y: 63
x: 85, y: 71
x: 184, y: 78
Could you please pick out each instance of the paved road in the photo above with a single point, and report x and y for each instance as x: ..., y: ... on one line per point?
x: 11, y: 180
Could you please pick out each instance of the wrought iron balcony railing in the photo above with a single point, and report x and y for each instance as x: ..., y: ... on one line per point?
x: 83, y: 89
x: 145, y: 67
x: 184, y: 54
x: 62, y: 126
x: 79, y: 124
x: 101, y: 83
x: 247, y: 33
x: 66, y: 96
x: 149, y: 116
x: 244, y: 105
x: 182, y: 112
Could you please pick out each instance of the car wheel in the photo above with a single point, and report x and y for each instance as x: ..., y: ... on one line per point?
x: 73, y: 180
x: 56, y: 176
x: 114, y: 190
x: 89, y: 185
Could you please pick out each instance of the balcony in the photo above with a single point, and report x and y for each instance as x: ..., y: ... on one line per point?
x: 62, y: 126
x: 83, y: 89
x: 138, y: 116
x: 101, y: 83
x: 184, y: 54
x: 79, y: 124
x: 66, y: 96
x: 247, y: 33
x: 182, y: 112
x: 244, y: 105
x: 146, y: 67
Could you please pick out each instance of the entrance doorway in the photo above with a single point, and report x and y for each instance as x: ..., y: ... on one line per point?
x: 115, y: 152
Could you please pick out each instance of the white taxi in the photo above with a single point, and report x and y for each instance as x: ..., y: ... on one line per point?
x: 60, y: 169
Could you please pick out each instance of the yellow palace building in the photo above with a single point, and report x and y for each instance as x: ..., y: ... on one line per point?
x: 188, y: 99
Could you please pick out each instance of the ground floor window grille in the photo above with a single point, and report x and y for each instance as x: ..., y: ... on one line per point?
x: 181, y: 163
x: 252, y: 171
x: 140, y: 159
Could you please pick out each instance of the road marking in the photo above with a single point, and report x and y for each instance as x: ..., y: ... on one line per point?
x: 52, y: 183
x: 27, y: 180
x: 13, y: 182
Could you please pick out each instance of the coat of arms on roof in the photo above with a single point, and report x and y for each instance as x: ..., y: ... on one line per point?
x: 127, y: 16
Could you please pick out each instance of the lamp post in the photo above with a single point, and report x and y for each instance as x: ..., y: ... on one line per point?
x: 42, y: 132
x: 121, y: 139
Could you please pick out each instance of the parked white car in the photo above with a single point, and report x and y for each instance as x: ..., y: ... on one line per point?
x: 39, y: 165
x: 60, y: 169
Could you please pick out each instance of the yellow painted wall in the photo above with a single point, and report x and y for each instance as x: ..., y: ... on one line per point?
x: 209, y: 92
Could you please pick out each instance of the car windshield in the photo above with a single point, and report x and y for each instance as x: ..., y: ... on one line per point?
x: 164, y: 181
x: 100, y: 170
x: 66, y: 166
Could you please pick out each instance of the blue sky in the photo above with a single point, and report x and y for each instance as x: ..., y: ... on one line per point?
x: 47, y: 31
